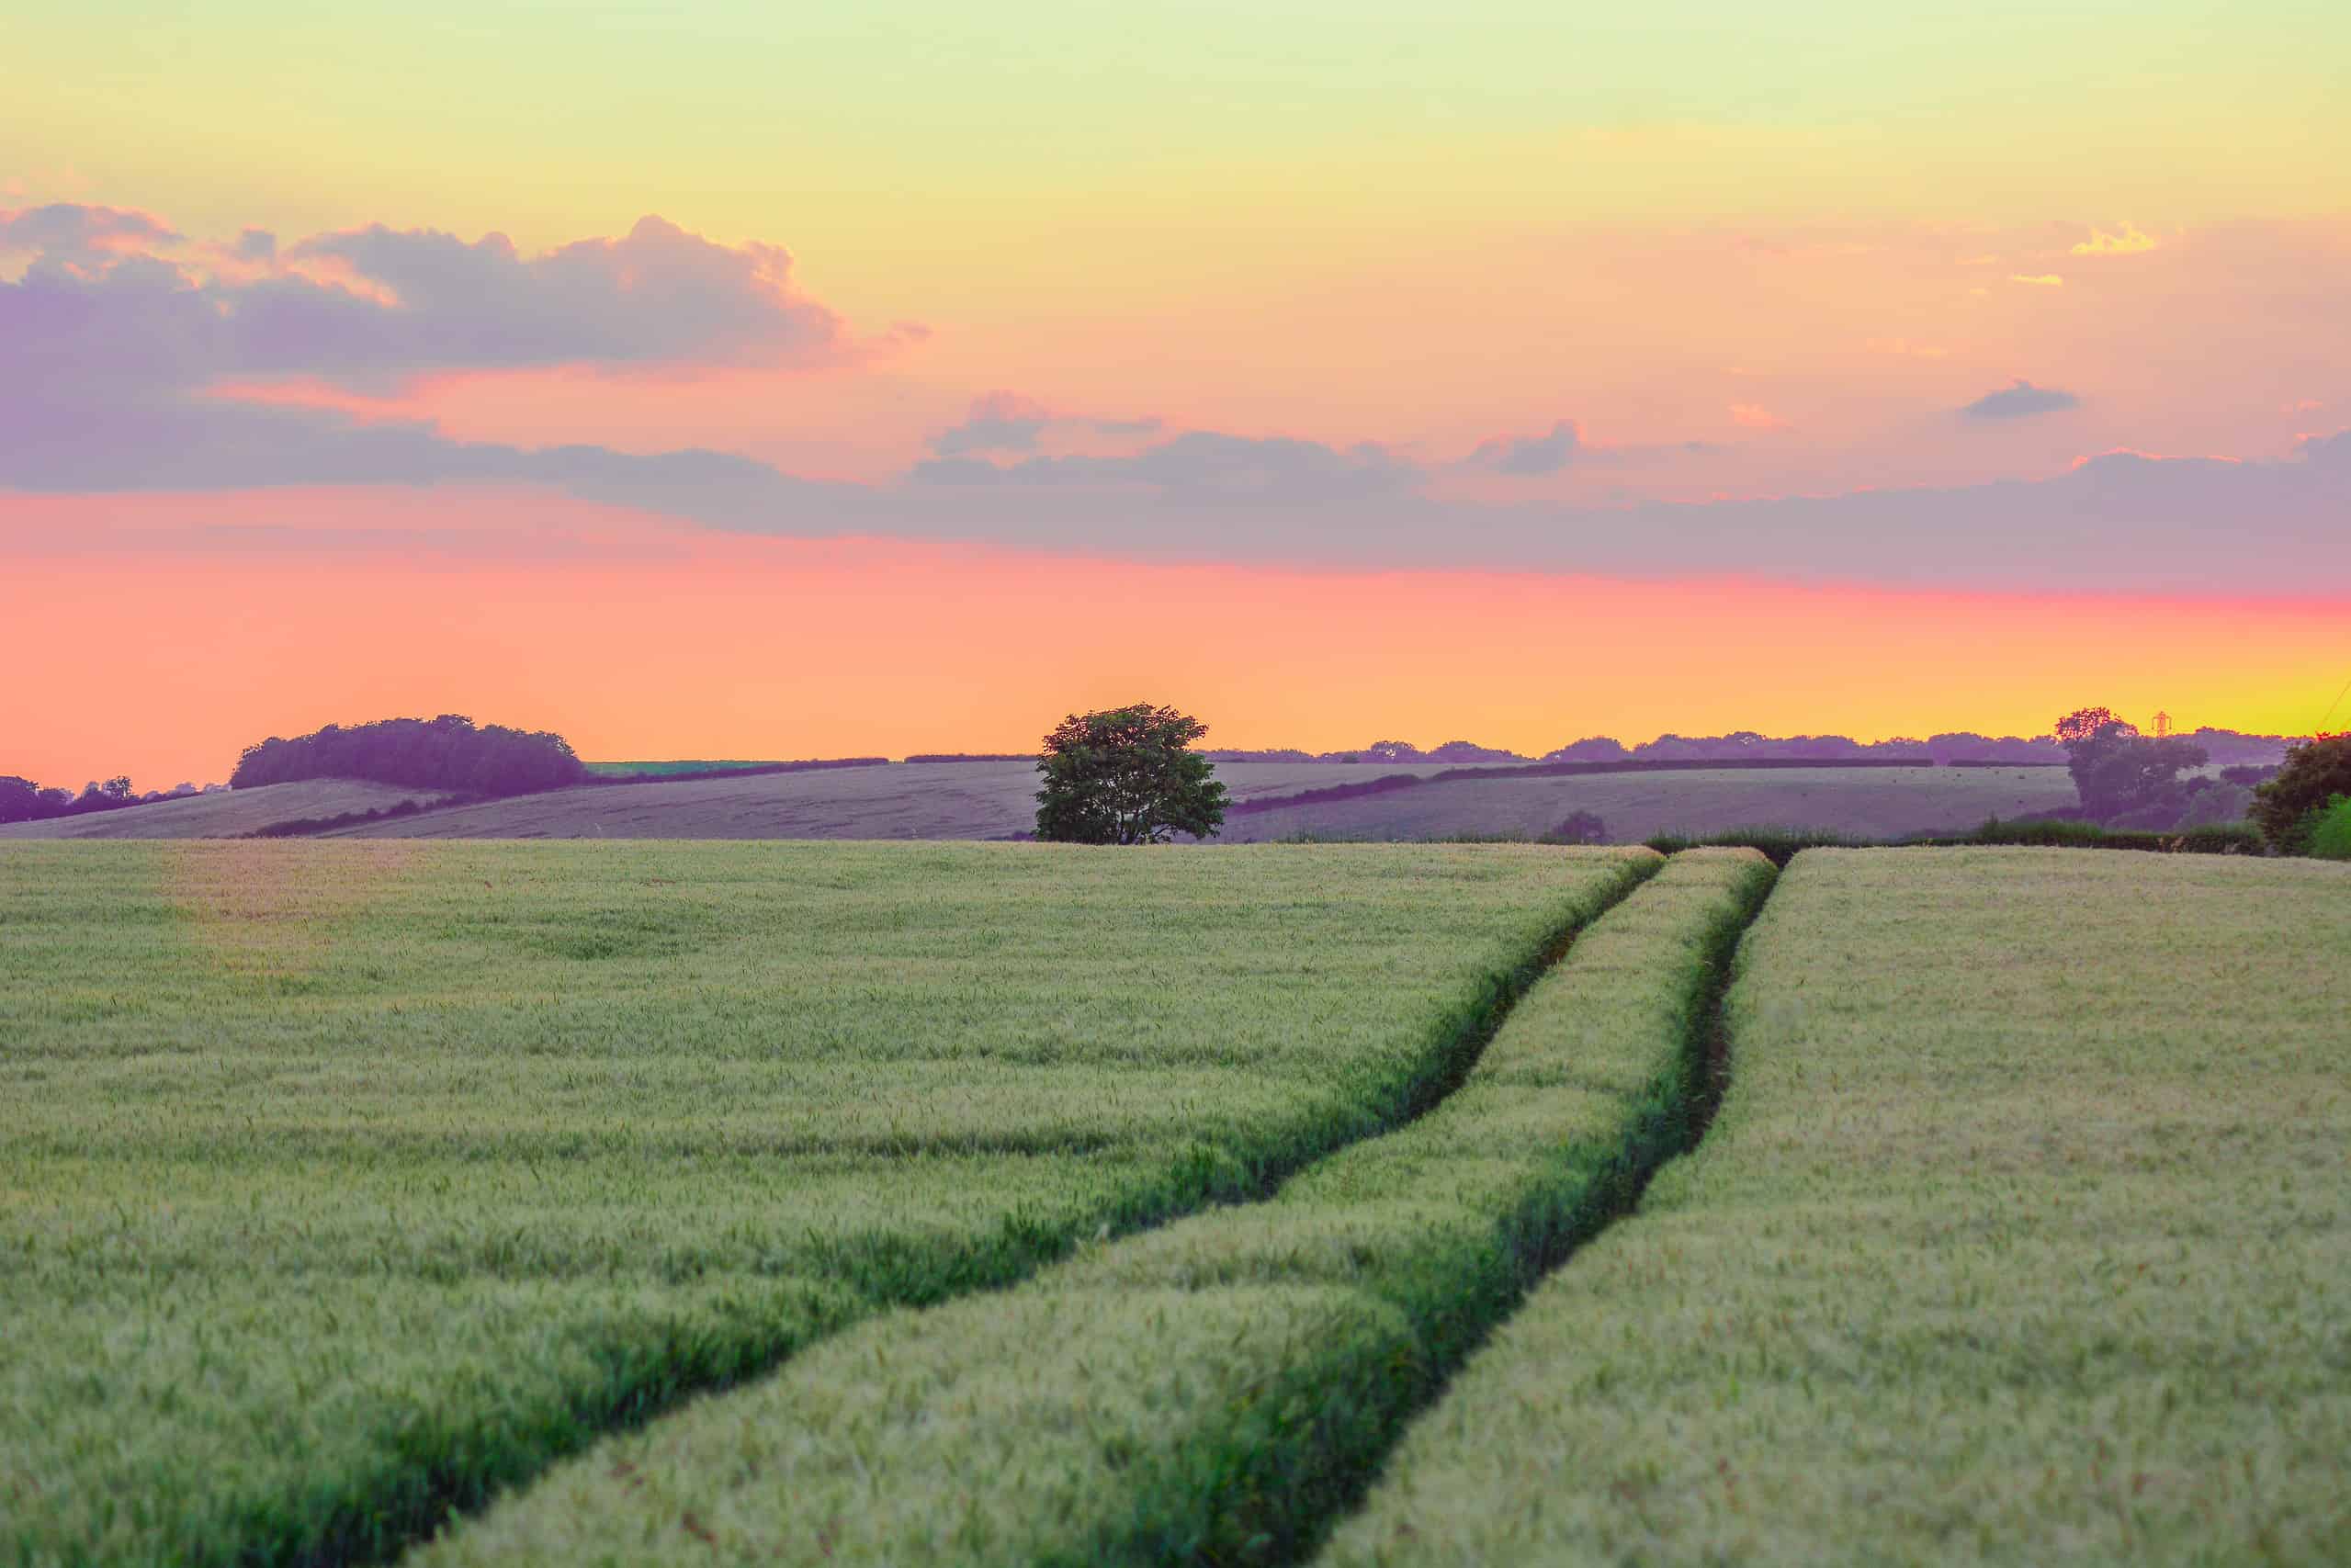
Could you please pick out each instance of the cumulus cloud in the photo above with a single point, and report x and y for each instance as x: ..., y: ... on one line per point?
x: 2019, y: 399
x: 2038, y: 280
x: 1528, y: 455
x: 102, y: 305
x: 656, y: 294
x: 1755, y: 416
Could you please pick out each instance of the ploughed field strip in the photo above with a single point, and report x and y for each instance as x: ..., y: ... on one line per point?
x: 2024, y: 1235
x: 341, y: 1184
x: 1214, y: 1389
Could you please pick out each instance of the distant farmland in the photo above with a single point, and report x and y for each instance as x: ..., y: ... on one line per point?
x: 997, y: 800
x: 937, y: 800
x: 230, y: 814
x: 1865, y: 802
x: 991, y: 800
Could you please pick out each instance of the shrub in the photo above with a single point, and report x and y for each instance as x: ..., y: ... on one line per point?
x: 2330, y: 829
x: 1581, y: 827
x: 2314, y: 773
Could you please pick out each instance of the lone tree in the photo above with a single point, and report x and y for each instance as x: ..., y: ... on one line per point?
x: 2121, y: 773
x: 1126, y: 777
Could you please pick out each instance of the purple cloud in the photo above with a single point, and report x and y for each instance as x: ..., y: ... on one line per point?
x: 2019, y: 399
x: 96, y: 311
x: 68, y: 232
x: 657, y: 294
x: 1204, y: 465
x: 1006, y: 421
x: 999, y: 421
x: 1529, y: 454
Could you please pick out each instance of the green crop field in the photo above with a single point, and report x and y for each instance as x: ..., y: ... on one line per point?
x: 2024, y: 1235
x: 1260, y: 1205
x: 1200, y: 1393
x: 341, y: 1183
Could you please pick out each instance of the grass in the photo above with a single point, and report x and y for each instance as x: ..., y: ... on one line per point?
x: 1863, y: 803
x: 2024, y: 1235
x: 1212, y: 1390
x: 342, y: 1184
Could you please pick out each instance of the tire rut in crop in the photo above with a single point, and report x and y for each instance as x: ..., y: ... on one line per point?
x: 639, y: 1390
x: 1707, y: 1060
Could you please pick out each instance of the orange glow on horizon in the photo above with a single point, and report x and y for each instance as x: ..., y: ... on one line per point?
x: 639, y: 638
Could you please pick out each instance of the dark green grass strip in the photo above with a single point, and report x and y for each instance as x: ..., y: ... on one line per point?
x: 1268, y: 1489
x: 438, y: 1464
x: 1221, y: 1389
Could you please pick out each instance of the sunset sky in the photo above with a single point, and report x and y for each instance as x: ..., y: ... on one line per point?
x: 746, y: 380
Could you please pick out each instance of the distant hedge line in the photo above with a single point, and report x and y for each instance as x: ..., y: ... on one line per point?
x: 743, y: 770
x: 451, y: 752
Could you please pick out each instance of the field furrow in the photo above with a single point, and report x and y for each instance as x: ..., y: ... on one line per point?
x: 1212, y: 1390
x: 2023, y: 1236
x: 341, y: 1185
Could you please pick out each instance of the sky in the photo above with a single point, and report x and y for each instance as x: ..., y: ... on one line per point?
x: 737, y: 380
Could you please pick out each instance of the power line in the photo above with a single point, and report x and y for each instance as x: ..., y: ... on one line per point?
x: 2333, y: 706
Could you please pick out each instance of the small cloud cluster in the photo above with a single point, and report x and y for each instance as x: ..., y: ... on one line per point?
x: 1528, y: 455
x: 1755, y: 416
x: 2130, y: 242
x: 2038, y: 280
x: 68, y: 233
x: 1006, y: 421
x: 2019, y: 399
x: 1203, y: 465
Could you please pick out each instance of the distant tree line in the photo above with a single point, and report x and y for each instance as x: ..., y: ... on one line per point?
x: 22, y: 800
x: 451, y: 752
x: 1943, y: 748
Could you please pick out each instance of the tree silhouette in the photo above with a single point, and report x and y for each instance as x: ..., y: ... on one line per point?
x: 1126, y: 777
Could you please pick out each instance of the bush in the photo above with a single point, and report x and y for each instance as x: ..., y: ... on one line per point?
x: 2330, y: 829
x: 2217, y: 838
x: 2314, y: 773
x: 1581, y: 827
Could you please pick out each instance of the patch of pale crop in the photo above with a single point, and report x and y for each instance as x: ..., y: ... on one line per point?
x: 341, y: 1184
x: 1211, y: 1390
x: 2023, y: 1236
